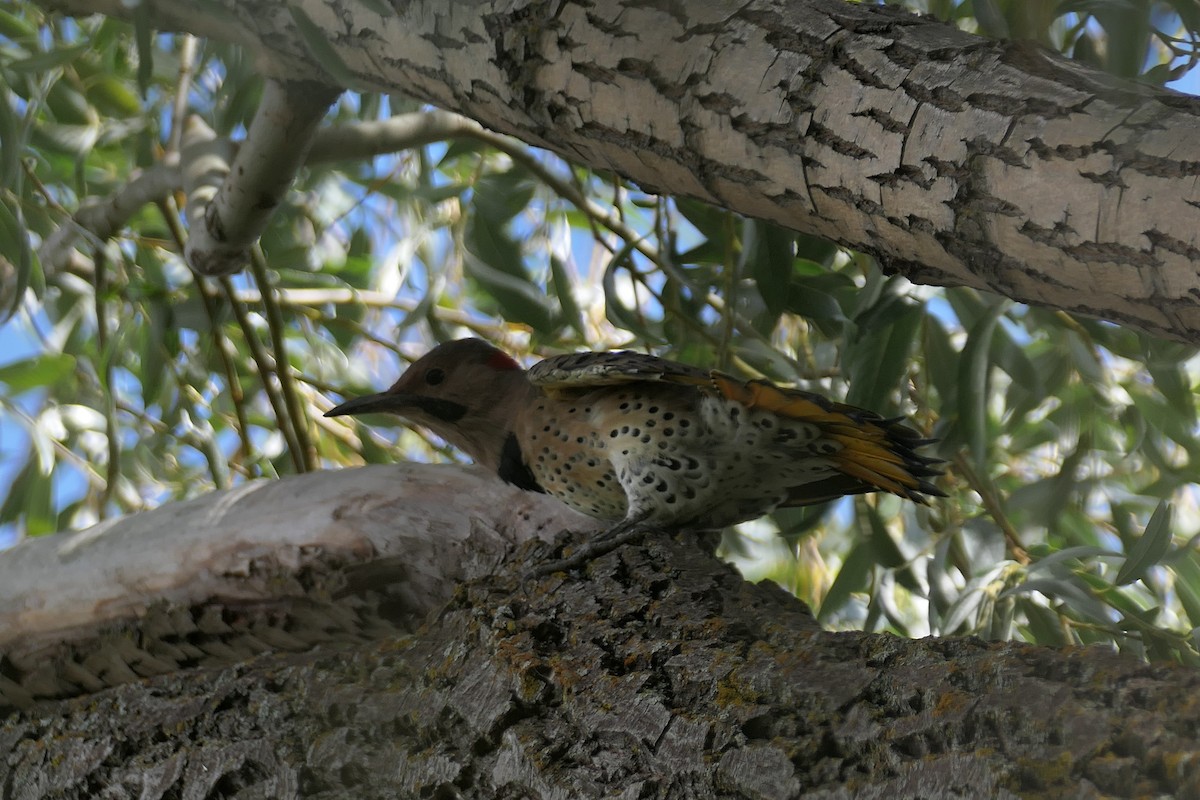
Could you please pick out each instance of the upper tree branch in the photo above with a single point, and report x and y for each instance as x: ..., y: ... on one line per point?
x: 953, y: 159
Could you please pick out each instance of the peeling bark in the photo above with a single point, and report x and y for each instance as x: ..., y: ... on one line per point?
x: 953, y: 159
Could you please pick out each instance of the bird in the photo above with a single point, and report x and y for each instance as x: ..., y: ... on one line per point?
x: 641, y: 442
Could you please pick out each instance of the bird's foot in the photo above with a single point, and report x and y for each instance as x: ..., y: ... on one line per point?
x: 599, y: 545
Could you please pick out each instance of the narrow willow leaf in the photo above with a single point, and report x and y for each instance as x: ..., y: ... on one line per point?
x: 44, y: 62
x: 769, y: 255
x: 1043, y: 624
x: 564, y: 290
x: 851, y: 578
x: 1150, y: 547
x: 1069, y: 592
x: 14, y: 145
x: 888, y: 554
x: 13, y: 239
x: 1079, y: 553
x: 973, y: 372
x: 1187, y: 584
x: 40, y: 372
x: 518, y: 299
x: 877, y: 359
x: 112, y: 97
x: 144, y: 41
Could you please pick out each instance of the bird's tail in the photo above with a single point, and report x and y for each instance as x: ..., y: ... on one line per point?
x: 875, y: 454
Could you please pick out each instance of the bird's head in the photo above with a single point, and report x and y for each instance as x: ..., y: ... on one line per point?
x: 465, y: 391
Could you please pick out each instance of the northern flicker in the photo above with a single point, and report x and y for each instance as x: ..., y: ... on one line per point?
x: 641, y: 442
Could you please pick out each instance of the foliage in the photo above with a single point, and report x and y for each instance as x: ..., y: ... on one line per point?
x: 136, y: 384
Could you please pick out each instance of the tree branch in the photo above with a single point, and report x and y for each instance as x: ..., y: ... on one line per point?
x: 656, y: 672
x: 266, y: 547
x: 222, y: 231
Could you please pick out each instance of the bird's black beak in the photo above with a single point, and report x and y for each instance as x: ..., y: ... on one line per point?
x: 400, y: 403
x: 380, y: 403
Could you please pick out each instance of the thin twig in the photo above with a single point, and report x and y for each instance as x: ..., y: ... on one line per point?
x: 995, y: 509
x: 265, y: 368
x: 112, y: 470
x: 296, y: 418
x: 183, y: 86
x: 208, y: 298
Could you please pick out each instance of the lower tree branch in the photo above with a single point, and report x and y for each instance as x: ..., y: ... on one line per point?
x: 657, y: 672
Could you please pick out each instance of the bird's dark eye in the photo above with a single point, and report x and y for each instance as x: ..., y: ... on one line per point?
x: 435, y: 375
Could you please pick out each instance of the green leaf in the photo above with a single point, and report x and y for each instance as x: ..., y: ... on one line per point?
x: 1068, y: 591
x: 40, y: 63
x: 153, y: 361
x: 794, y: 523
x: 519, y: 300
x: 710, y: 221
x: 500, y: 196
x: 804, y: 299
x: 878, y: 357
x: 941, y: 362
x: 769, y: 250
x: 963, y: 608
x: 1170, y: 381
x: 851, y: 578
x: 973, y: 370
x: 887, y: 553
x: 815, y: 249
x: 14, y: 145
x: 16, y: 28
x: 1150, y: 547
x: 44, y: 371
x: 564, y: 291
x: 29, y: 500
x: 1187, y: 584
x: 14, y: 239
x: 1080, y: 553
x: 144, y: 41
x: 69, y: 106
x: 1044, y: 624
x: 112, y: 97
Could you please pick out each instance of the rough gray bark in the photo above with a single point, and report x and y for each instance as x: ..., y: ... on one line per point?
x: 271, y: 565
x: 658, y: 673
x: 953, y: 159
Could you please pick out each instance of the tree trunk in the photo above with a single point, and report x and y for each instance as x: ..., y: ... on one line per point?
x: 655, y: 672
x: 953, y: 159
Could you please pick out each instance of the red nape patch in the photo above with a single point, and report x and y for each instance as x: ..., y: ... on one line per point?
x: 499, y: 361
